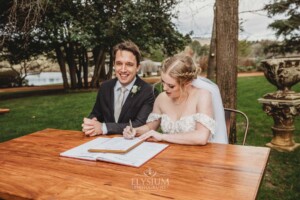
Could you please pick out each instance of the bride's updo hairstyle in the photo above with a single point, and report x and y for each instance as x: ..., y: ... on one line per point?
x: 180, y: 67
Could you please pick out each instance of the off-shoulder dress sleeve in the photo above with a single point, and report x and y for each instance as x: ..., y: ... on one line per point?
x: 207, y: 121
x: 153, y: 117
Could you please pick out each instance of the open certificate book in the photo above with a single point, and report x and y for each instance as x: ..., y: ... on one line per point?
x: 137, y: 156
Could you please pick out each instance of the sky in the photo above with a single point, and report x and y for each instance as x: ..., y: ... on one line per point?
x: 197, y: 16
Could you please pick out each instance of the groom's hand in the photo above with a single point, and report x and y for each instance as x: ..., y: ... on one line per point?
x: 91, y: 127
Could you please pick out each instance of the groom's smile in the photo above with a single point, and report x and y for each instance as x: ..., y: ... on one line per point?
x: 125, y: 66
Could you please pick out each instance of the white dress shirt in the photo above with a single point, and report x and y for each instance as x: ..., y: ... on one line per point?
x: 116, y: 93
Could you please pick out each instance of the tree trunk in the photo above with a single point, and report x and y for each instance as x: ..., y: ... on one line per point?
x: 227, y: 52
x: 69, y: 49
x: 79, y: 65
x: 62, y: 66
x: 111, y: 63
x: 85, y: 68
x: 211, y: 71
x: 99, y: 58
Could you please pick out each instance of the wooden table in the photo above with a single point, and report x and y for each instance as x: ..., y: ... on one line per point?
x: 31, y: 168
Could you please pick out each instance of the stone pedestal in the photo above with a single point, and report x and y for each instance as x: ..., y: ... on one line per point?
x: 284, y: 104
x: 283, y: 109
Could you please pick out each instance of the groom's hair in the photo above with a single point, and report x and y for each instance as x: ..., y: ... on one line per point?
x: 128, y: 46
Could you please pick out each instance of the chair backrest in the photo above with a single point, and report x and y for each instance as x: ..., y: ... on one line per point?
x: 228, y: 113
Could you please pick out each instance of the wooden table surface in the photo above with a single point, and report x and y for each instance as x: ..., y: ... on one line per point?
x: 31, y: 168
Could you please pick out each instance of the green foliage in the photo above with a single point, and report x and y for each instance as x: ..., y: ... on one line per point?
x: 97, y: 23
x: 289, y: 26
x: 199, y: 49
x: 74, y: 27
x: 148, y: 23
x: 244, y: 48
x: 156, y: 53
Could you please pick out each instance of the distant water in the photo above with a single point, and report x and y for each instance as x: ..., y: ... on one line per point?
x: 44, y: 78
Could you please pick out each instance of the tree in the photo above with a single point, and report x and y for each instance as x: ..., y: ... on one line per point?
x: 227, y: 52
x: 288, y: 28
x: 20, y: 17
x: 17, y: 42
x: 212, y: 62
x: 74, y: 27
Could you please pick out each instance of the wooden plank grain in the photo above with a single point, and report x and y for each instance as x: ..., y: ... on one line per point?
x: 31, y: 168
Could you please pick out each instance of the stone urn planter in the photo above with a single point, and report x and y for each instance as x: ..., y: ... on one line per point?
x: 284, y: 104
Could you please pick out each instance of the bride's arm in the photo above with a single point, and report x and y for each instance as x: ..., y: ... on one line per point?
x: 200, y: 136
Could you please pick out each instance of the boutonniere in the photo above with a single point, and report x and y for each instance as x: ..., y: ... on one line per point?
x: 135, y: 89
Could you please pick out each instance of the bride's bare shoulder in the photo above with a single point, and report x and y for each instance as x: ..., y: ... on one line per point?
x: 161, y: 97
x: 201, y: 92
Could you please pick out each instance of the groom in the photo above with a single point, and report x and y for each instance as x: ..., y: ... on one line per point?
x: 126, y: 97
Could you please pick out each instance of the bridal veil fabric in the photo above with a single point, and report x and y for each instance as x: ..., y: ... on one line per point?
x: 220, y: 135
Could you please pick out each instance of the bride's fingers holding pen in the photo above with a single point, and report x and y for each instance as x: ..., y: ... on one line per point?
x: 128, y: 133
x: 132, y: 132
x: 125, y: 130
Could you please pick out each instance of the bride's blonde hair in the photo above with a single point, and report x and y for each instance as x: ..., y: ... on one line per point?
x: 180, y: 67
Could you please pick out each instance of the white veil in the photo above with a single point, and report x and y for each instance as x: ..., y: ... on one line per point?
x: 219, y: 116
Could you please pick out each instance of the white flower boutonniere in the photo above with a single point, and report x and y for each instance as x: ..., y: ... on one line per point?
x: 135, y: 89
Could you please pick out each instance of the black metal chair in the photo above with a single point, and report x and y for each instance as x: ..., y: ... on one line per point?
x: 228, y: 114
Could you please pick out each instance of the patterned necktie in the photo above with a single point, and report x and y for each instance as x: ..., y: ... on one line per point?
x: 119, y: 102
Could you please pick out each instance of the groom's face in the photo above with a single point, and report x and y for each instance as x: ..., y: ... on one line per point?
x: 126, y: 66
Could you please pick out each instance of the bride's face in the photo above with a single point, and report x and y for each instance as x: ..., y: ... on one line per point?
x: 170, y: 86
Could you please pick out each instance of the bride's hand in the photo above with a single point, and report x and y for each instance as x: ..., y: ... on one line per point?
x: 129, y: 133
x: 152, y: 136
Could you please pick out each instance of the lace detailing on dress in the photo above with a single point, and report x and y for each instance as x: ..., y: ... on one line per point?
x: 206, y: 121
x: 153, y: 117
x: 184, y: 124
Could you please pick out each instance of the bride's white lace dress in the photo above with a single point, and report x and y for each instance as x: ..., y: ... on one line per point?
x: 184, y: 124
x: 188, y: 123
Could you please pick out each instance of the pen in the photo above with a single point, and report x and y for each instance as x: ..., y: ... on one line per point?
x: 131, y: 128
x: 130, y: 124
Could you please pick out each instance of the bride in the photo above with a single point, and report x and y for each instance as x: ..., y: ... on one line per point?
x: 189, y: 111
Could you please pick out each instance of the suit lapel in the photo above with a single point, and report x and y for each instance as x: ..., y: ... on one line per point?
x: 129, y: 99
x: 111, y: 95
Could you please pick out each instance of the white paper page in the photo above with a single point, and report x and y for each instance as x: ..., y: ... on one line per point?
x: 82, y: 152
x: 117, y: 143
x: 137, y: 156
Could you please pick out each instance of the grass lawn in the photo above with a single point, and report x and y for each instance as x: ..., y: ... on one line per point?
x: 65, y: 111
